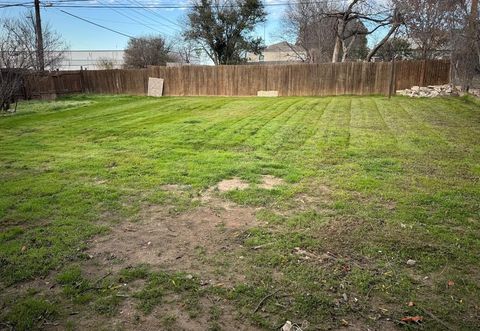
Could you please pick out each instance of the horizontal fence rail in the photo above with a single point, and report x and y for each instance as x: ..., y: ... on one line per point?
x: 355, y: 78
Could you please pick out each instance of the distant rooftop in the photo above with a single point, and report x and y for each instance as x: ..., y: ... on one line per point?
x: 283, y: 47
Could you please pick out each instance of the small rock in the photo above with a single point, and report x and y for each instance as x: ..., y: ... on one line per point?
x: 288, y: 326
x: 189, y: 276
x: 411, y: 262
x: 345, y: 297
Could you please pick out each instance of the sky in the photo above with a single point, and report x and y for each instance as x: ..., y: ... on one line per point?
x: 81, y: 35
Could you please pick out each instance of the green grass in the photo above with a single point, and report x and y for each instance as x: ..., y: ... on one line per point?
x: 391, y: 180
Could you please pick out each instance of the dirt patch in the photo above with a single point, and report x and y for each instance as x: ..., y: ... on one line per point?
x: 169, y: 316
x: 232, y: 184
x: 198, y: 242
x: 185, y: 242
x: 175, y: 187
x: 270, y: 182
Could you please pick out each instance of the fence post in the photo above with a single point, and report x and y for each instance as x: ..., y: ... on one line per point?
x: 82, y: 81
x: 422, y: 77
x: 392, y: 86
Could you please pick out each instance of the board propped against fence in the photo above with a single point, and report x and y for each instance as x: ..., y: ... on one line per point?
x: 355, y: 78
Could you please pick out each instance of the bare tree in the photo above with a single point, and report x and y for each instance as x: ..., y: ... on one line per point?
x: 340, y: 29
x: 428, y: 25
x: 105, y: 63
x: 308, y: 24
x: 14, y: 58
x: 395, y: 21
x: 395, y: 48
x: 187, y: 52
x: 465, y: 58
x: 147, y: 51
x: 18, y: 54
x: 304, y: 24
x: 374, y: 14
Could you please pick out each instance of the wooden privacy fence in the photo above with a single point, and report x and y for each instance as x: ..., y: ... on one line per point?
x: 357, y: 78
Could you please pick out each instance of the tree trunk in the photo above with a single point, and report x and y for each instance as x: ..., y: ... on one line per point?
x: 346, y: 50
x: 375, y: 49
x: 338, y: 41
x: 336, y: 50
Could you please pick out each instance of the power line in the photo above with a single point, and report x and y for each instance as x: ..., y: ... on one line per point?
x: 105, y: 27
x: 96, y: 24
x: 10, y: 5
x: 131, y: 18
x: 151, y: 5
x: 153, y: 20
x: 158, y: 15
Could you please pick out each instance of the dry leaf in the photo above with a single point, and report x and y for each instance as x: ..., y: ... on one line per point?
x: 450, y: 283
x: 24, y: 248
x: 412, y: 319
x: 411, y: 304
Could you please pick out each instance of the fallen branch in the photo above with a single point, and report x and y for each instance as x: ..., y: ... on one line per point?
x: 102, y: 278
x: 264, y: 299
x: 95, y: 285
x: 445, y: 325
x: 261, y: 246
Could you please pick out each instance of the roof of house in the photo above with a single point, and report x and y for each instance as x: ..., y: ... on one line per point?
x: 283, y: 47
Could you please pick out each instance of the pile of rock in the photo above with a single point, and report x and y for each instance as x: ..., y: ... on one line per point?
x: 431, y: 91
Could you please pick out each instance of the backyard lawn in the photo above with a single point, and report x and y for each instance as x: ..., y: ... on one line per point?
x: 137, y: 213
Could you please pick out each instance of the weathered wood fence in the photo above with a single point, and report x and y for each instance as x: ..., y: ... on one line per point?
x: 357, y: 78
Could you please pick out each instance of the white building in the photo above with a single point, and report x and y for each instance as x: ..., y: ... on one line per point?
x: 90, y: 59
x: 282, y: 52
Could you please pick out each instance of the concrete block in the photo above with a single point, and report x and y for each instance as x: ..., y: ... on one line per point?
x: 267, y: 94
x: 155, y: 87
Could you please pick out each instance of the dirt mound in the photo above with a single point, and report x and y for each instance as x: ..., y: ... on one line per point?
x: 232, y: 184
x: 270, y: 182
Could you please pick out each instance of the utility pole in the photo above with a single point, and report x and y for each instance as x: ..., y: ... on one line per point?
x: 39, y: 35
x: 474, y: 12
x: 473, y: 21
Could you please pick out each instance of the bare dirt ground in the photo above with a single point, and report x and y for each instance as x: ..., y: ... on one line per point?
x: 193, y: 242
x: 197, y: 241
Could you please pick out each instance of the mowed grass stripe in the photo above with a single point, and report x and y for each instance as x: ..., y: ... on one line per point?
x: 415, y: 112
x: 297, y: 128
x: 264, y: 135
x: 241, y: 130
x: 213, y: 125
x: 169, y: 114
x: 335, y: 134
x: 310, y: 126
x: 446, y: 121
x: 369, y: 129
x: 310, y: 144
x: 271, y: 113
